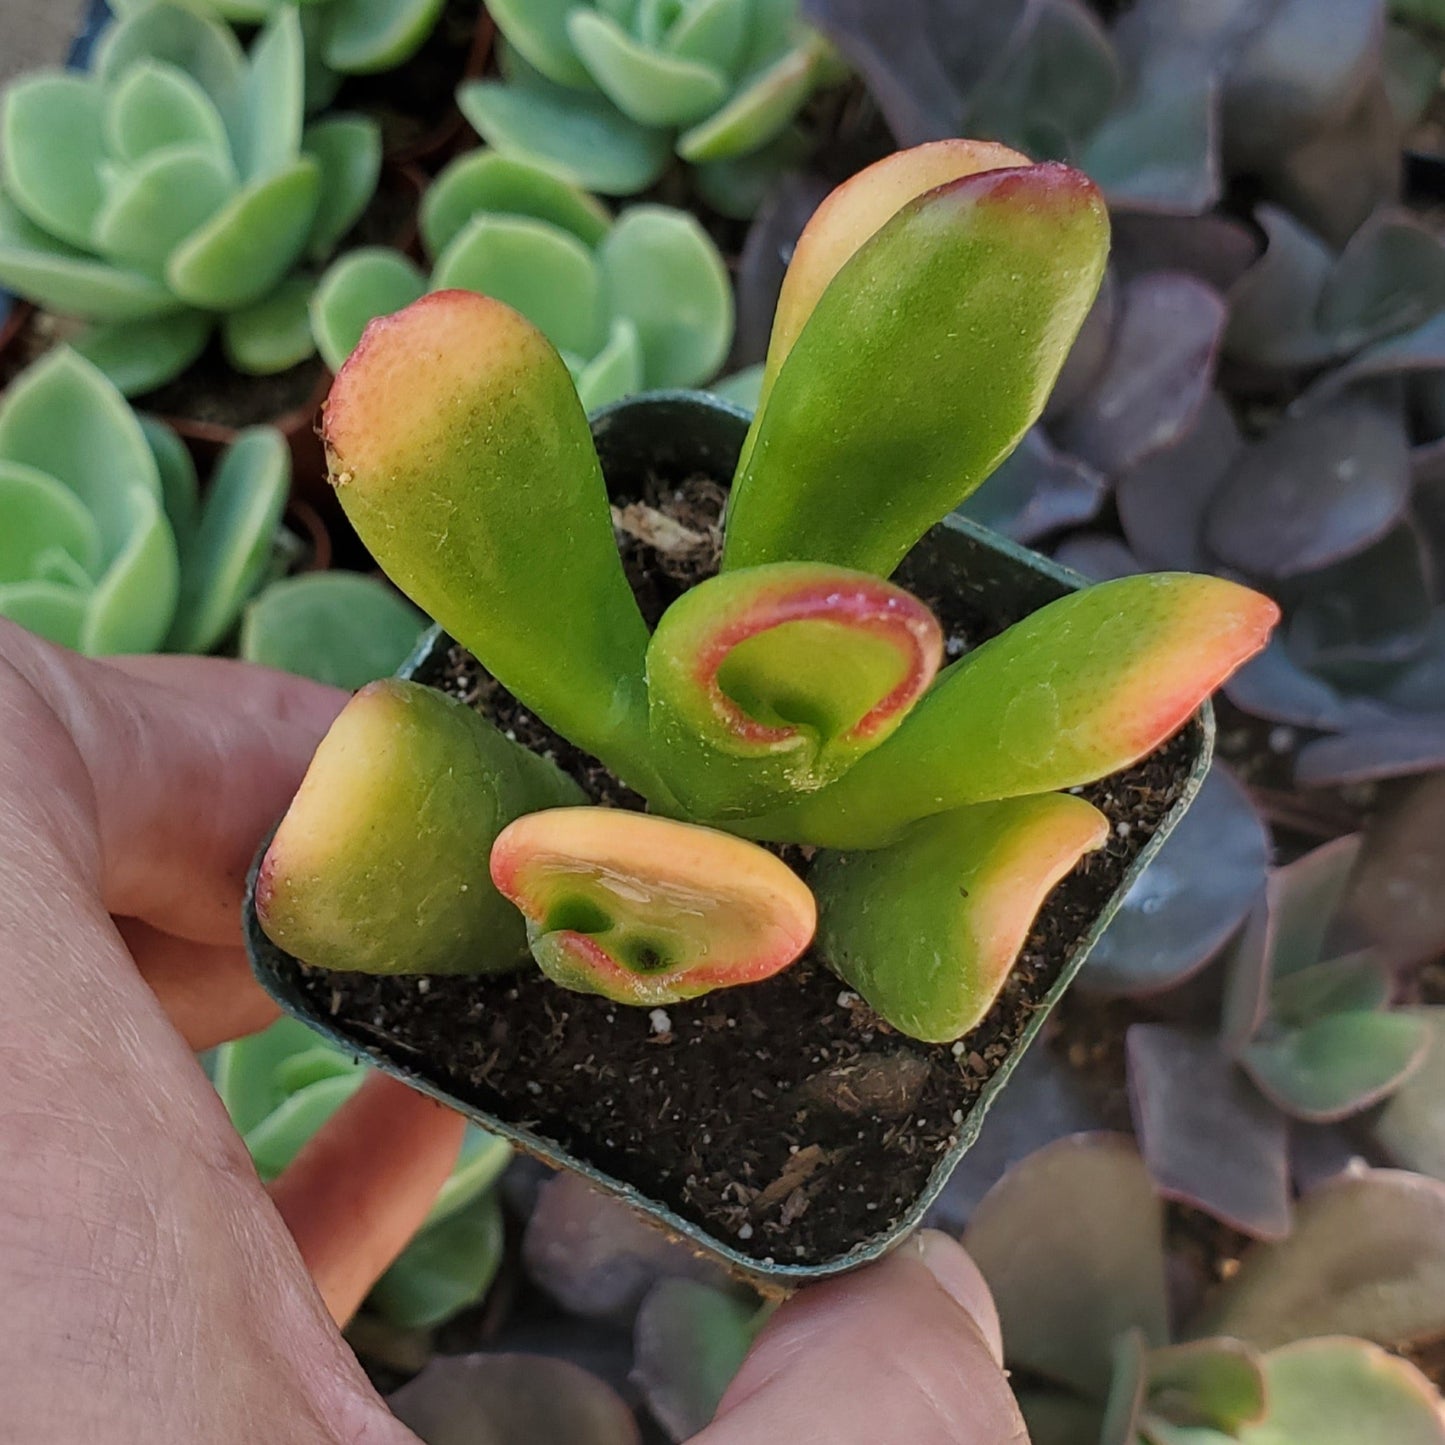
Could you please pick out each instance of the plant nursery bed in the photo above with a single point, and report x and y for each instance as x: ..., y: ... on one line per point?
x: 784, y: 1119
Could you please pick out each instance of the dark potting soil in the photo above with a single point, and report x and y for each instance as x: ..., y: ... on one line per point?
x: 212, y: 391
x: 784, y: 1117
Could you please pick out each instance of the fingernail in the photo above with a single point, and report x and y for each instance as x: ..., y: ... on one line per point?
x: 963, y: 1282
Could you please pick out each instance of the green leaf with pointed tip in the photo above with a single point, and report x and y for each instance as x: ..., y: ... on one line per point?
x: 232, y: 545
x: 482, y: 1161
x: 139, y: 356
x: 156, y: 105
x: 248, y: 1071
x: 1207, y: 1383
x: 134, y: 601
x: 366, y: 36
x: 1125, y: 1401
x: 538, y: 30
x: 1411, y: 1126
x: 715, y: 32
x: 364, y: 284
x: 580, y: 137
x: 70, y: 282
x: 281, y: 1135
x: 50, y: 132
x: 483, y: 181
x: 756, y: 114
x: 616, y: 370
x: 156, y: 206
x: 273, y: 101
x: 335, y: 627
x: 480, y: 433
x: 1078, y: 690
x: 348, y: 150
x: 928, y: 929
x: 927, y: 357
x: 180, y: 487
x: 1338, y: 1065
x: 771, y: 681
x: 248, y: 246
x: 739, y: 185
x: 446, y: 1268
x: 48, y: 609
x: 379, y: 865
x: 1344, y: 1392
x: 662, y: 272
x: 547, y: 275
x: 274, y: 333
x: 1303, y: 899
x: 645, y: 84
x: 311, y: 1065
x: 40, y: 514
x: 1358, y: 982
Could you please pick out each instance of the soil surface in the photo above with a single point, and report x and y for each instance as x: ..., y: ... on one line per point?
x: 784, y: 1117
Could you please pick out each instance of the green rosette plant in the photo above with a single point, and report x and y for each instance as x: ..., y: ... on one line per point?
x: 280, y: 1087
x: 795, y: 697
x: 605, y: 93
x: 639, y: 302
x: 176, y: 189
x: 106, y: 545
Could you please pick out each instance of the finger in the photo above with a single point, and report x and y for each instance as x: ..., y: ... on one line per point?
x: 363, y: 1185
x: 907, y: 1349
x: 208, y: 990
x: 185, y: 779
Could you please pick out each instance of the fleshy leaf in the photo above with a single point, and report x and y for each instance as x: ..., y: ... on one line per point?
x: 538, y: 30
x: 1411, y: 1126
x: 928, y: 929
x: 1035, y: 491
x: 927, y: 357
x: 1215, y: 1384
x: 1124, y: 1403
x: 649, y: 911
x: 274, y: 333
x: 451, y: 429
x: 348, y: 150
x: 377, y: 35
x: 645, y: 84
x: 1071, y: 1244
x: 155, y: 105
x: 273, y: 99
x: 50, y: 131
x: 774, y: 680
x: 1092, y: 683
x: 378, y: 865
x: 446, y: 1268
x: 42, y: 514
x: 139, y: 356
x: 368, y: 282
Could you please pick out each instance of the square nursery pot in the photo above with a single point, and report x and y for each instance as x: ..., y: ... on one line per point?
x: 778, y: 1126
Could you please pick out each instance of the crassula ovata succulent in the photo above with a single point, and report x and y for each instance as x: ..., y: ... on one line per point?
x: 176, y: 188
x: 642, y: 301
x: 795, y: 697
x: 604, y: 93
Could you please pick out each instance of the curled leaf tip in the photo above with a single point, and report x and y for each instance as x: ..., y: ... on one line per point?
x: 645, y: 910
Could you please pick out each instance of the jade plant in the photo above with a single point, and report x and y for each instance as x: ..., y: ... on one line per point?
x: 107, y: 546
x: 175, y: 189
x: 794, y: 697
x: 1108, y: 1339
x: 281, y: 1086
x: 639, y: 302
x: 604, y: 93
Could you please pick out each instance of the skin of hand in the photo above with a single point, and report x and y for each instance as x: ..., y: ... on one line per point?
x: 155, y: 1292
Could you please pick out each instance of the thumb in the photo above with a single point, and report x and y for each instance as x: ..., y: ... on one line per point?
x: 907, y: 1349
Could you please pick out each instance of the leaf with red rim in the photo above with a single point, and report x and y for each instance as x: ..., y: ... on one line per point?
x: 774, y: 680
x: 928, y: 929
x: 649, y: 911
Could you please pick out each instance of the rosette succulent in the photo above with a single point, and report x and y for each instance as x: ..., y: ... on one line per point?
x: 796, y: 697
x: 176, y: 190
x: 642, y: 301
x: 106, y: 547
x: 604, y: 93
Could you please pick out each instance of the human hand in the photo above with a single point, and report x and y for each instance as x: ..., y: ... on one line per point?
x: 154, y: 1291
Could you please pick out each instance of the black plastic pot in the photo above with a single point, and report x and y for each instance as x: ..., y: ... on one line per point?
x: 677, y: 435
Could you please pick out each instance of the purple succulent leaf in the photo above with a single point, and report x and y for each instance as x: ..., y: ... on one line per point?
x: 1088, y: 354
x: 1055, y: 1418
x: 1337, y: 1066
x: 1189, y: 901
x: 1366, y: 1258
x: 1215, y: 248
x: 1314, y: 490
x: 1352, y: 982
x: 598, y: 1258
x: 1420, y: 686
x: 1163, y: 501
x: 1071, y: 1244
x: 1303, y: 899
x: 1395, y: 899
x: 1411, y: 1126
x: 1156, y: 377
x: 690, y: 1340
x: 1400, y: 749
x: 511, y: 1399
x: 1208, y: 1138
x: 1274, y: 687
x: 1247, y: 977
x: 1389, y: 279
x: 1045, y: 1100
x: 1214, y: 1384
x: 1125, y: 1402
x: 1036, y: 491
x: 1273, y: 306
x: 1420, y: 350
x: 1097, y: 557
x: 1321, y: 1152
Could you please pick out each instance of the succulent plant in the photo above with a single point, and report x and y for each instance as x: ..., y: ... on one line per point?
x: 1307, y: 1035
x: 639, y: 302
x: 1287, y: 1351
x: 107, y: 547
x: 281, y: 1085
x: 176, y: 188
x: 603, y: 93
x: 794, y: 697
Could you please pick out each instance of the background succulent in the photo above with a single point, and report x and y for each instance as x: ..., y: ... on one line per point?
x: 176, y: 188
x: 604, y: 93
x: 642, y: 301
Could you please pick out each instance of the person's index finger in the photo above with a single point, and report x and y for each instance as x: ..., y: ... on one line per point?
x: 188, y: 773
